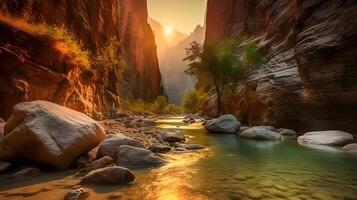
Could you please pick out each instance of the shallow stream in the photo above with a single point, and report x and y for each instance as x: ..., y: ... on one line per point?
x: 228, y: 169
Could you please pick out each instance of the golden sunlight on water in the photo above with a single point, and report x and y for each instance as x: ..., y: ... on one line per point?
x: 174, y: 181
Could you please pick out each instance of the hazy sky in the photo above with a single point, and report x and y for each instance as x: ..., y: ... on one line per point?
x: 182, y: 15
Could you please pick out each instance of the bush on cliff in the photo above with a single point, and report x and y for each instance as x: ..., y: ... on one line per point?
x: 61, y: 38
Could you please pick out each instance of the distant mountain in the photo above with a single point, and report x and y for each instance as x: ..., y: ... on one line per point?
x: 172, y: 67
x: 163, y: 42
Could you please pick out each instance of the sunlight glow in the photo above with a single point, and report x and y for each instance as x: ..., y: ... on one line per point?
x: 168, y: 31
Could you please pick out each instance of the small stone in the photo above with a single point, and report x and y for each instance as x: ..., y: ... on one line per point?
x: 286, y: 132
x: 350, y: 148
x: 179, y: 149
x: 173, y: 137
x: 159, y: 148
x: 194, y: 147
x: 76, y: 194
x: 109, y: 176
x: 97, y: 164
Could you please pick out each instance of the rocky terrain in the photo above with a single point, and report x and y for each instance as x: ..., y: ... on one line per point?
x: 308, y: 81
x: 43, y: 136
x: 34, y: 65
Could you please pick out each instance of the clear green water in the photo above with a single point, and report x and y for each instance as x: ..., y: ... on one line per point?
x: 247, y: 169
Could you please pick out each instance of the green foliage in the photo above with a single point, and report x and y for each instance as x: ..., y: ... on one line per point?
x: 194, y: 101
x: 62, y: 39
x: 159, y: 106
x: 109, y: 58
x: 69, y: 44
x: 221, y: 64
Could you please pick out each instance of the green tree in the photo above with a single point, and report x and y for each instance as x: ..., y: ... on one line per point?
x: 193, y: 101
x: 221, y: 64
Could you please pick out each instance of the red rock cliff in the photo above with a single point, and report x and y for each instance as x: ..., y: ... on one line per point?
x: 31, y: 69
x: 309, y: 80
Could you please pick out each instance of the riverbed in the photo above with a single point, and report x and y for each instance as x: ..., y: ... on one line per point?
x: 229, y: 168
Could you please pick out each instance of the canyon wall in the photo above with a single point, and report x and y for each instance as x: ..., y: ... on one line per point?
x: 309, y: 78
x: 34, y: 67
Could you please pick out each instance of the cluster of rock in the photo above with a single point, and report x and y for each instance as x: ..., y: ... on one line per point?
x: 192, y: 118
x: 49, y: 135
x: 229, y: 124
x: 46, y: 134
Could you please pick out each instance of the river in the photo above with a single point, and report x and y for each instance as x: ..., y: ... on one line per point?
x: 229, y: 168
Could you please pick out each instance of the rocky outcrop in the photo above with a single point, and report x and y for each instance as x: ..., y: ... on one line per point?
x: 46, y: 133
x: 34, y: 67
x: 309, y: 78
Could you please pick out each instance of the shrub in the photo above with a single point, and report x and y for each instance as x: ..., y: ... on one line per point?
x: 194, y: 101
x: 159, y: 106
x: 62, y: 39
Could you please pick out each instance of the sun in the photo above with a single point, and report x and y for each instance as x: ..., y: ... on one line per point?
x: 168, y: 31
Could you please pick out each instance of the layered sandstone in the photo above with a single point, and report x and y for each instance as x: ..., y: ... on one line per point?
x: 31, y: 69
x: 309, y: 79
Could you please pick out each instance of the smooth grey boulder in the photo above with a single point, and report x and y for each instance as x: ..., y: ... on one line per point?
x: 109, y: 146
x: 223, y: 124
x: 109, y: 176
x: 129, y: 156
x: 286, y: 132
x: 173, y: 137
x: 350, y: 148
x: 333, y: 138
x: 49, y: 134
x: 260, y: 133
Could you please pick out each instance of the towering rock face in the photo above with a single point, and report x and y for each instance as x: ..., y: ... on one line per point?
x: 28, y: 73
x: 309, y: 79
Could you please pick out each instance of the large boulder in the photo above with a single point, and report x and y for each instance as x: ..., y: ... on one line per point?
x: 260, y: 133
x: 350, y: 148
x: 223, y: 124
x: 173, y: 137
x: 333, y: 138
x: 109, y: 176
x: 49, y: 134
x: 129, y: 156
x: 109, y: 146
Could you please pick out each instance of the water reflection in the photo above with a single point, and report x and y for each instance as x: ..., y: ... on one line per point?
x: 174, y: 180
